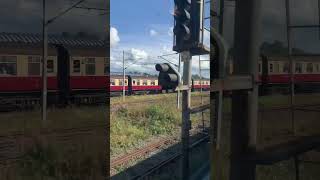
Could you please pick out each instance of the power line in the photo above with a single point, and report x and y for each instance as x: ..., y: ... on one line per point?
x: 64, y: 12
x: 92, y: 8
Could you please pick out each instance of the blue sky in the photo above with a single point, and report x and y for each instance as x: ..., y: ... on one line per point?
x: 143, y: 28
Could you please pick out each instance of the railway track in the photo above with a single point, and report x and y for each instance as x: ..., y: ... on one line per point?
x: 115, y: 106
x: 170, y: 159
x: 154, y: 147
x: 140, y: 152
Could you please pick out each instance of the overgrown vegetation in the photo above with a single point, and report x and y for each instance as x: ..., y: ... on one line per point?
x: 130, y: 127
x: 45, y: 162
x: 67, y: 156
x: 69, y: 117
x: 133, y: 125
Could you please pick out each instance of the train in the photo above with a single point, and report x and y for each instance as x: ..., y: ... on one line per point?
x: 134, y: 85
x: 274, y: 74
x: 77, y: 70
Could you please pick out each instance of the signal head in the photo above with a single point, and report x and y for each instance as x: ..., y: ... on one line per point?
x: 162, y: 67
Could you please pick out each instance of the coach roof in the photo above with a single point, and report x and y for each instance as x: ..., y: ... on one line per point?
x: 36, y: 39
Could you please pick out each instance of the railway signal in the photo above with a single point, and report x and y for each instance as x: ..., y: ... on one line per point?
x: 182, y: 29
x: 168, y: 77
x: 188, y: 18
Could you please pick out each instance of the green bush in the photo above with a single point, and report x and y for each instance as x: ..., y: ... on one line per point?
x: 160, y: 120
x: 130, y: 127
x: 54, y: 163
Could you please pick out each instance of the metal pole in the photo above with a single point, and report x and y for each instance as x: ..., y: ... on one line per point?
x: 319, y: 16
x: 288, y: 23
x: 219, y: 95
x: 44, y: 65
x: 244, y: 103
x: 202, y: 20
x: 178, y: 92
x: 186, y: 123
x: 200, y: 77
x: 221, y: 17
x: 201, y: 98
x: 123, y: 81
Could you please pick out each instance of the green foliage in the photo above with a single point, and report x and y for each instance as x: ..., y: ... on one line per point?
x: 161, y: 120
x: 130, y: 127
x: 57, y: 163
x: 38, y: 163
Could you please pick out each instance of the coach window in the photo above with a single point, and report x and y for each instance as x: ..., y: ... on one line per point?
x: 125, y: 82
x: 8, y: 65
x: 90, y: 66
x: 134, y: 81
x: 50, y: 66
x: 285, y: 67
x: 276, y: 67
x: 317, y: 67
x: 76, y: 66
x: 260, y: 67
x: 309, y: 68
x: 271, y: 68
x: 138, y: 82
x: 145, y: 82
x: 153, y: 83
x: 120, y: 82
x: 113, y: 82
x: 33, y: 65
x: 298, y: 68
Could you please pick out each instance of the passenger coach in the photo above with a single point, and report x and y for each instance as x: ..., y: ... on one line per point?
x: 76, y: 67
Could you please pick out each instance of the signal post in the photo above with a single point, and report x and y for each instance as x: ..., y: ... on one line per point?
x: 188, y: 42
x: 186, y: 103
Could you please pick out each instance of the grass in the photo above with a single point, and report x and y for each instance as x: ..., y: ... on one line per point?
x: 71, y: 117
x: 162, y: 97
x: 82, y: 159
x: 130, y: 127
x: 79, y: 157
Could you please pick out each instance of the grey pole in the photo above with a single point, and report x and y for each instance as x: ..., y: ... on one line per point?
x: 288, y: 23
x: 221, y: 16
x: 244, y: 125
x: 44, y: 65
x: 178, y: 92
x: 123, y: 82
x: 186, y: 123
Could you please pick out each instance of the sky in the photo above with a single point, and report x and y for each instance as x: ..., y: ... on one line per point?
x: 26, y: 16
x: 143, y: 29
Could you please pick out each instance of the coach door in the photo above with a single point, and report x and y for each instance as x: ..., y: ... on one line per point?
x: 63, y: 75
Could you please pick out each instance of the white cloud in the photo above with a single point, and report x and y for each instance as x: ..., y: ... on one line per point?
x: 114, y: 37
x: 206, y: 38
x: 166, y: 49
x: 170, y: 31
x: 153, y: 32
x: 135, y: 54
